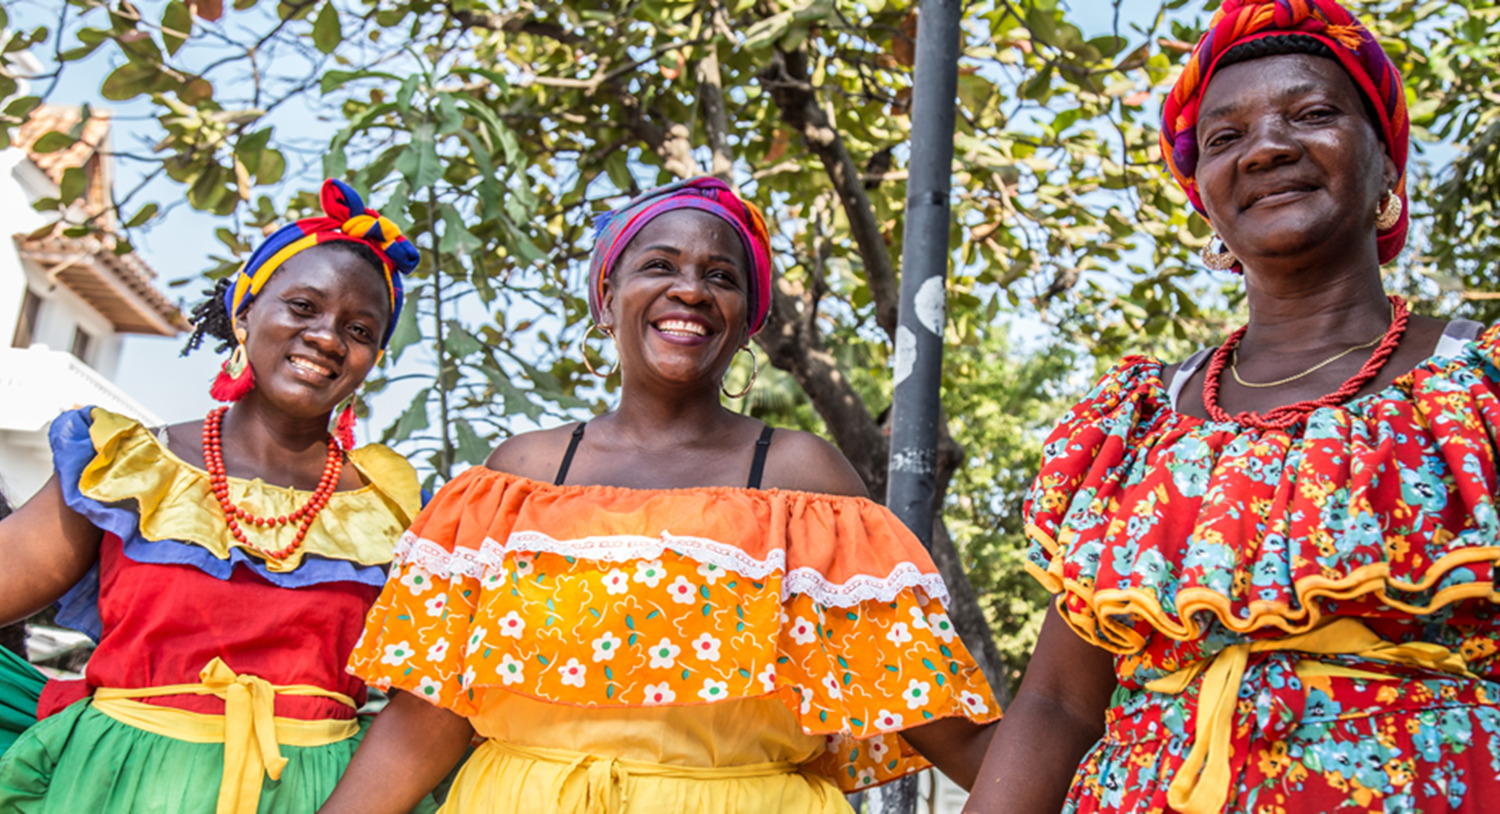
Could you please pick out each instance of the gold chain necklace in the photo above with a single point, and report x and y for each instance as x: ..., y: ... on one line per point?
x: 1234, y: 360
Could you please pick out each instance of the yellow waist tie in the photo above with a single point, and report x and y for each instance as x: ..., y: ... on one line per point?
x: 250, y: 732
x: 602, y: 790
x: 1192, y: 792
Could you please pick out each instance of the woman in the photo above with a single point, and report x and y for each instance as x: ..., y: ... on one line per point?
x: 224, y: 566
x: 670, y: 607
x: 1275, y: 562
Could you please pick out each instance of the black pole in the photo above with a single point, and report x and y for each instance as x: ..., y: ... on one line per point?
x: 924, y: 270
x: 916, y: 408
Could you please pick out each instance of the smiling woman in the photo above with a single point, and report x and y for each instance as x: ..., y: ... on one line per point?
x: 1276, y: 588
x: 679, y: 610
x: 223, y: 567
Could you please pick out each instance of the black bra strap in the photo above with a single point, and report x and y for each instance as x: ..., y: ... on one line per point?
x: 758, y: 465
x: 567, y: 461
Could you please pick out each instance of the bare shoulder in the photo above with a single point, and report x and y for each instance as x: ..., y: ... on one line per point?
x: 535, y: 455
x: 804, y: 462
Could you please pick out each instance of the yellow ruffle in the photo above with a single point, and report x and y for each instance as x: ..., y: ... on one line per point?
x: 358, y: 526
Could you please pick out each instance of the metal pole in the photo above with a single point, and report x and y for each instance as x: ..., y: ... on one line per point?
x: 918, y: 373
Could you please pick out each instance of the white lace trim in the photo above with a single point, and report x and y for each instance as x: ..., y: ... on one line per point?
x: 489, y: 557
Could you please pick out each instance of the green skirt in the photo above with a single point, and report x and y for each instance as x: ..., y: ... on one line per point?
x: 20, y: 687
x: 81, y: 760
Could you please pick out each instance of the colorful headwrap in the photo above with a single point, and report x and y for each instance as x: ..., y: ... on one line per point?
x: 614, y: 230
x: 344, y: 218
x: 1239, y: 21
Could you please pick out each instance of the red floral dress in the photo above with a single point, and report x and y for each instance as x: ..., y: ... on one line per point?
x: 1302, y: 620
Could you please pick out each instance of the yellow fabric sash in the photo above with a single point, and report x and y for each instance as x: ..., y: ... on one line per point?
x: 251, y: 734
x: 1202, y: 784
x: 603, y: 779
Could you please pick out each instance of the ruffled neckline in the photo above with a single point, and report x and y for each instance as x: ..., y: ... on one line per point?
x: 1148, y: 520
x: 173, y: 500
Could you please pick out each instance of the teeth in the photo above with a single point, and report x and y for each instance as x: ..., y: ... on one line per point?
x: 312, y: 367
x: 681, y: 326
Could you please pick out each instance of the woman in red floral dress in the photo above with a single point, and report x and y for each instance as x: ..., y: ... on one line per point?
x: 1275, y: 561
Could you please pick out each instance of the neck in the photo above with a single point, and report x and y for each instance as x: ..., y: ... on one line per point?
x: 648, y: 415
x: 265, y: 438
x: 1299, y: 312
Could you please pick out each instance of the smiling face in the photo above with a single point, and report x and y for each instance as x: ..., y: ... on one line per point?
x: 676, y: 299
x: 1290, y: 166
x: 313, y: 332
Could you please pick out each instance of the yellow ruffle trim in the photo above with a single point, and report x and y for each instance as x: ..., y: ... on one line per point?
x: 175, y: 502
x: 1107, y: 618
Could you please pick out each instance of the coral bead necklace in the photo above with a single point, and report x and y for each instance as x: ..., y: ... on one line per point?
x: 213, y: 459
x: 1285, y: 416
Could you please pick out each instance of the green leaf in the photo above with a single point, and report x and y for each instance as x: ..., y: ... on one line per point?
x: 413, y: 419
x: 419, y: 163
x: 142, y: 215
x: 129, y: 81
x: 472, y: 448
x: 407, y: 330
x: 457, y: 341
x: 327, y: 32
x: 52, y: 142
x: 176, y: 25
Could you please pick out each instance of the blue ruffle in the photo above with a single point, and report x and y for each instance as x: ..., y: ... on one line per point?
x: 72, y: 450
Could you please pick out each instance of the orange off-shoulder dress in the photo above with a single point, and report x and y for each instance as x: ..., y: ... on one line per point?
x: 704, y: 649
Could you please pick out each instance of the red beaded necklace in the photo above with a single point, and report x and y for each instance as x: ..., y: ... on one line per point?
x: 1285, y: 416
x: 213, y: 458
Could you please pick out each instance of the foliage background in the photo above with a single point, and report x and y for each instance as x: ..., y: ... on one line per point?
x: 492, y: 130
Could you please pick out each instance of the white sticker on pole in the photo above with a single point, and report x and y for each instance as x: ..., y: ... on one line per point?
x: 906, y: 353
x: 929, y: 305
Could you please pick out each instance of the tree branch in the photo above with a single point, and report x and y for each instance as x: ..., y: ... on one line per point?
x: 786, y: 81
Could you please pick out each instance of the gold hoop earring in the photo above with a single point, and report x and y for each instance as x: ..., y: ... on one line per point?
x: 1217, y: 260
x: 754, y: 371
x: 583, y: 352
x: 1388, y: 211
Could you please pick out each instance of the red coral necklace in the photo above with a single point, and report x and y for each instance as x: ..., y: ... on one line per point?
x: 213, y: 458
x: 1285, y: 416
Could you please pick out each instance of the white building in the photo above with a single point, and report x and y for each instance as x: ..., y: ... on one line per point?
x: 66, y: 302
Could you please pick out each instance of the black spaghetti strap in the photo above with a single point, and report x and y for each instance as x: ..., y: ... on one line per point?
x: 758, y: 465
x: 567, y: 461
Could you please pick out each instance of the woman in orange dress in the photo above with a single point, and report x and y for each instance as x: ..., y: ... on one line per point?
x: 672, y: 607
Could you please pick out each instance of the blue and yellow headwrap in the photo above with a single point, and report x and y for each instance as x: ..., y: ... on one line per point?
x: 345, y: 218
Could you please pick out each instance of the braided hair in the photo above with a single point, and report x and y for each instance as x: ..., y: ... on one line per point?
x: 212, y: 319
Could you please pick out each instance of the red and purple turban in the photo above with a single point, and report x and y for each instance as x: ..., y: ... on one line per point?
x: 344, y: 218
x: 1240, y: 21
x: 614, y: 230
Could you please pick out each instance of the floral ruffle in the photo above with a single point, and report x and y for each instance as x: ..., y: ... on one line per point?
x: 598, y: 596
x: 1149, y: 521
x: 117, y: 474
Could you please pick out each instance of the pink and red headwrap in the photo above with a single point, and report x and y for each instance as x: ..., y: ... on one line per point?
x: 1239, y: 21
x: 614, y: 230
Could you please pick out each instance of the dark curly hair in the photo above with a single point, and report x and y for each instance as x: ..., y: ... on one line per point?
x: 211, y: 318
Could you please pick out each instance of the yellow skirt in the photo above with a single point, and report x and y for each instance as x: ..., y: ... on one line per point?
x: 735, y: 757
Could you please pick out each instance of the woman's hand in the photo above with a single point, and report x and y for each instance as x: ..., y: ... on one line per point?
x: 1057, y: 716
x: 45, y: 548
x: 409, y: 749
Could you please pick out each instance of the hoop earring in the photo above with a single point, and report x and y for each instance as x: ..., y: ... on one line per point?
x: 1388, y: 211
x: 754, y: 371
x: 1217, y: 260
x: 583, y: 351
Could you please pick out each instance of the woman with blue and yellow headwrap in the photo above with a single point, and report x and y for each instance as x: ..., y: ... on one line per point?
x: 224, y: 566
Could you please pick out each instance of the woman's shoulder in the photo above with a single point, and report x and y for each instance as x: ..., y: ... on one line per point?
x: 805, y: 462
x: 535, y: 455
